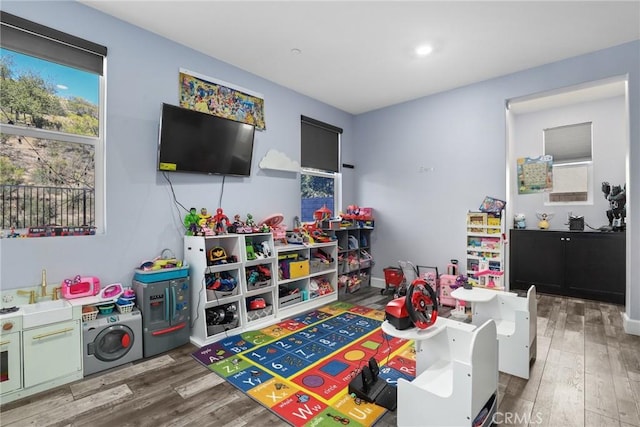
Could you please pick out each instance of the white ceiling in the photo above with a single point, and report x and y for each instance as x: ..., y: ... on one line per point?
x: 358, y: 55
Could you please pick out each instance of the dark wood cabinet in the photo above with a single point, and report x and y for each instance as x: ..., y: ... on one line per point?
x: 579, y: 264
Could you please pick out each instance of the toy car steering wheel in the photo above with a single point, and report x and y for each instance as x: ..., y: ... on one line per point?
x: 422, y: 304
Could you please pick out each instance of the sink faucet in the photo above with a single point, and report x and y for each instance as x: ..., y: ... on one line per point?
x: 32, y: 295
x: 43, y: 290
x: 43, y: 285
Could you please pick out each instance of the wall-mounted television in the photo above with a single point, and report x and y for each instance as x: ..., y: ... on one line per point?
x: 196, y: 142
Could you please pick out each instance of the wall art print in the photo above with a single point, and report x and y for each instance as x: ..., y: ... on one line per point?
x: 219, y: 98
x: 535, y: 174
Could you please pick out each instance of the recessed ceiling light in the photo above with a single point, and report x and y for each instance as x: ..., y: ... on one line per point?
x: 296, y: 51
x: 424, y: 50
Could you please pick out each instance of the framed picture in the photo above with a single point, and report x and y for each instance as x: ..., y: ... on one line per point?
x: 535, y: 174
x: 213, y: 96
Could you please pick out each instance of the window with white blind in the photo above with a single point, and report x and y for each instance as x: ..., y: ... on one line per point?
x: 571, y: 149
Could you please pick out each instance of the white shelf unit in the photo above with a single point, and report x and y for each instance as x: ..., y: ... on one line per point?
x: 298, y: 291
x: 486, y: 249
x: 224, y: 311
x: 355, y: 258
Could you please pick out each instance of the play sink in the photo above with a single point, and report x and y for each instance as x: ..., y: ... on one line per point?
x: 45, y: 313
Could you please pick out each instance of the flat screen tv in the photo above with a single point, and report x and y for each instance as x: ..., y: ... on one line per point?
x: 191, y: 141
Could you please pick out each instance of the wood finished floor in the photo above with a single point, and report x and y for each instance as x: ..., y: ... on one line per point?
x: 587, y: 373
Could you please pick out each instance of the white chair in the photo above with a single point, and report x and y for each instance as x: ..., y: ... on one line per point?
x: 459, y: 378
x: 516, y: 326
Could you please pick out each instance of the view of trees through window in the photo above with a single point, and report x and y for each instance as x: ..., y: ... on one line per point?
x: 47, y: 153
x: 316, y: 192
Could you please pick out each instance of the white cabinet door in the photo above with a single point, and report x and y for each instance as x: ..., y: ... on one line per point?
x: 51, y: 352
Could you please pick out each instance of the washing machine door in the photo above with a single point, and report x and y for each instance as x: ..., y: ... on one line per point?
x: 112, y: 343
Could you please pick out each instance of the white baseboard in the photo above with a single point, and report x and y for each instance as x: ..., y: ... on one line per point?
x: 378, y: 283
x: 631, y: 326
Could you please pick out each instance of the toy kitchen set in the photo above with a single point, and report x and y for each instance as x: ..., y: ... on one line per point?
x: 54, y: 335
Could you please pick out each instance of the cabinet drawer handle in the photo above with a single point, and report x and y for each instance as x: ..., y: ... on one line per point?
x: 48, y: 334
x: 5, y: 342
x: 562, y: 238
x: 568, y: 238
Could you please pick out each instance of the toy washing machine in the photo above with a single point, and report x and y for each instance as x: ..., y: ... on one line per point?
x: 112, y: 340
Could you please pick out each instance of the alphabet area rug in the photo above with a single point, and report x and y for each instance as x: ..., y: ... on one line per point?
x: 300, y: 368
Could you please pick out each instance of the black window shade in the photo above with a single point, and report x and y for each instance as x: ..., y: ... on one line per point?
x: 33, y: 39
x: 320, y: 146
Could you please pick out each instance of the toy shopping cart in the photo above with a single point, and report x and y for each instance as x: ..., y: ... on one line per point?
x: 393, y: 279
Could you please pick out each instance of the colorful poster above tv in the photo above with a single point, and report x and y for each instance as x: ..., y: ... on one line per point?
x: 535, y: 174
x: 209, y: 95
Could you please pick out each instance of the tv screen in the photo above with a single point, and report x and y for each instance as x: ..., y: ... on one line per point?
x: 191, y: 141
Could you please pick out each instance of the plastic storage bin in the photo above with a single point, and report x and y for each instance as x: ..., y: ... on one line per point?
x: 152, y: 276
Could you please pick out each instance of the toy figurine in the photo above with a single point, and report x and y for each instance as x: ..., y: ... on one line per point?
x: 221, y: 221
x: 265, y: 248
x: 264, y: 228
x: 250, y: 222
x: 617, y: 197
x: 519, y: 221
x: 204, y: 217
x: 296, y: 222
x: 237, y: 225
x: 191, y: 221
x: 463, y: 281
x: 544, y: 218
x: 251, y: 253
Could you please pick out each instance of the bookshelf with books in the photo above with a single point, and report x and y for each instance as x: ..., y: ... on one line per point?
x: 485, y: 249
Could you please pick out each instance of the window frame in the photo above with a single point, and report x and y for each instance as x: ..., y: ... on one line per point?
x: 578, y: 161
x: 318, y: 139
x: 37, y: 33
x: 337, y: 187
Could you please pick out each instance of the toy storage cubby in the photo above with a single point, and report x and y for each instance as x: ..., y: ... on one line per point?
x: 259, y: 282
x: 307, y: 277
x: 485, y: 249
x: 354, y: 256
x: 259, y: 307
x: 221, y: 318
x: 221, y: 290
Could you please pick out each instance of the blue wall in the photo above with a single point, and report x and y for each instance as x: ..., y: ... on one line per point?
x: 141, y: 218
x: 421, y: 164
